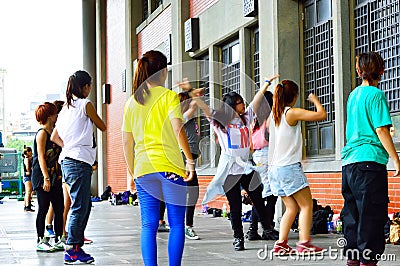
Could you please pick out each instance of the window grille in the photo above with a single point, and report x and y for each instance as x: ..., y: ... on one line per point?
x: 318, y: 74
x: 377, y: 29
x: 256, y: 60
x: 231, y: 68
x: 204, y: 82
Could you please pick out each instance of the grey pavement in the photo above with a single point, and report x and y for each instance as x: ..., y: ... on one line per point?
x: 115, y: 231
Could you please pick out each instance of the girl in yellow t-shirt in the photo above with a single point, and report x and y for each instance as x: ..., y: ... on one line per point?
x: 152, y: 134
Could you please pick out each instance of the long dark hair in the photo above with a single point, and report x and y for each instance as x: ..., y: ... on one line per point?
x: 147, y: 69
x: 285, y: 92
x: 76, y: 83
x: 370, y: 66
x: 227, y: 112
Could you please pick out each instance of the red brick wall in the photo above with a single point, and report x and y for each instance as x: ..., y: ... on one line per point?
x: 199, y: 6
x: 155, y: 33
x: 325, y: 187
x: 115, y: 65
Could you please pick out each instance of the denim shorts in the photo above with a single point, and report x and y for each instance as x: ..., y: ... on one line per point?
x: 287, y: 180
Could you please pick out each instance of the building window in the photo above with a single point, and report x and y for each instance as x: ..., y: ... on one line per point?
x: 376, y: 28
x: 145, y: 9
x: 204, y: 128
x: 230, y: 68
x: 256, y: 60
x: 318, y: 74
x: 155, y: 4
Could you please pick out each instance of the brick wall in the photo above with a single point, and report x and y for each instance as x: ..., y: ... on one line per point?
x: 115, y: 65
x: 325, y: 187
x: 155, y: 33
x: 199, y: 6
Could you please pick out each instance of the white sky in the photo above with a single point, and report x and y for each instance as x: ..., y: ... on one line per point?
x: 40, y: 47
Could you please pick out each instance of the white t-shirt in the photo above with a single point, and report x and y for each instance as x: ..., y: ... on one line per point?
x: 75, y: 128
x: 244, y: 152
x: 285, y: 142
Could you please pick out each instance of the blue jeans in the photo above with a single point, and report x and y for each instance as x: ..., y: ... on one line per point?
x: 151, y: 189
x: 78, y: 176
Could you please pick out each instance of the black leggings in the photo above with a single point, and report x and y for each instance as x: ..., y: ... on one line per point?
x: 270, y: 212
x: 56, y: 197
x: 252, y: 185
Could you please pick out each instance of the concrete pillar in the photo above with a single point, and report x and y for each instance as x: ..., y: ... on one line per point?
x: 89, y: 61
x: 341, y: 64
x: 101, y: 80
x: 215, y: 89
x: 182, y: 64
x: 246, y: 82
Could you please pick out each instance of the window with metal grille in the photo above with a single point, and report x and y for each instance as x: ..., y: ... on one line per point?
x: 256, y: 60
x: 204, y: 82
x: 156, y: 4
x: 231, y: 68
x: 318, y: 74
x: 376, y: 28
x: 145, y: 9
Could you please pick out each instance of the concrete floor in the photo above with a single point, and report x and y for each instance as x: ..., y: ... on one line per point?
x: 115, y: 231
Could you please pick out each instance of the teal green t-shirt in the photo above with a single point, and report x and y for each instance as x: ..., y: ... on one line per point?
x: 367, y: 109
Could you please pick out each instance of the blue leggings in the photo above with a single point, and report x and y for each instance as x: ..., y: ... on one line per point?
x: 172, y: 189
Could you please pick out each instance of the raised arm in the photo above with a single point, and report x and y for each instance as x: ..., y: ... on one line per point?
x: 298, y: 114
x: 259, y: 97
x: 195, y: 95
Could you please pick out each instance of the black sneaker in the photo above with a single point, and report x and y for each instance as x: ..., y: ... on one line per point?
x: 28, y: 209
x: 238, y: 244
x: 252, y: 234
x: 270, y: 234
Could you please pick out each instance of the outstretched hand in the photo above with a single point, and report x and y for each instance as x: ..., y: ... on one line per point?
x: 193, y: 92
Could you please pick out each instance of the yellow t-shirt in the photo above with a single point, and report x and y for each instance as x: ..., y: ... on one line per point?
x: 156, y: 147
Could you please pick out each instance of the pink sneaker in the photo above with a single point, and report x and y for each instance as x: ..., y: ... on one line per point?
x: 87, y: 241
x: 308, y: 248
x: 281, y: 248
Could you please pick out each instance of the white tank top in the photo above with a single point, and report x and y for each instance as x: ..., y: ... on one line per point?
x: 285, y: 142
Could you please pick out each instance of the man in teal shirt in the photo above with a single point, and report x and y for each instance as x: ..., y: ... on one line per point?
x: 364, y: 173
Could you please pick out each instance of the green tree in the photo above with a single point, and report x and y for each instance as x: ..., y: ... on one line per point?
x: 18, y: 144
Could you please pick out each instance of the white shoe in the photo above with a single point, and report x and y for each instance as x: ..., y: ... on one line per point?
x: 44, y: 246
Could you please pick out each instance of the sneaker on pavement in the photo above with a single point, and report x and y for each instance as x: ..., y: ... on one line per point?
x: 238, y: 244
x: 60, y: 245
x: 281, y: 248
x: 28, y: 208
x: 44, y: 246
x: 49, y: 232
x: 87, y: 241
x: 72, y: 256
x: 308, y: 248
x: 190, y: 233
x: 163, y: 227
x: 252, y: 234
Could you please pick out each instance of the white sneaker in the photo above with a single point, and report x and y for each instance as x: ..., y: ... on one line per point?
x: 60, y: 245
x: 44, y: 246
x: 190, y: 233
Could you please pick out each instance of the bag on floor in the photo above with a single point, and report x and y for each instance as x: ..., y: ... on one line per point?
x: 395, y: 231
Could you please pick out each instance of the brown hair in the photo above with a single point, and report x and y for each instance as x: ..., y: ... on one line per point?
x: 44, y: 111
x: 147, y: 69
x: 285, y: 93
x: 370, y: 66
x: 185, y: 100
x: 59, y: 104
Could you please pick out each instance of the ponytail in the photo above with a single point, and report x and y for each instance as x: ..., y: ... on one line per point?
x: 148, y: 69
x: 76, y: 83
x: 285, y: 93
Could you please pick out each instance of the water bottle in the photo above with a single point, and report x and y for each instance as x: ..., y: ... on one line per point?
x: 339, y: 226
x: 224, y: 214
x: 205, y: 209
x: 330, y: 225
